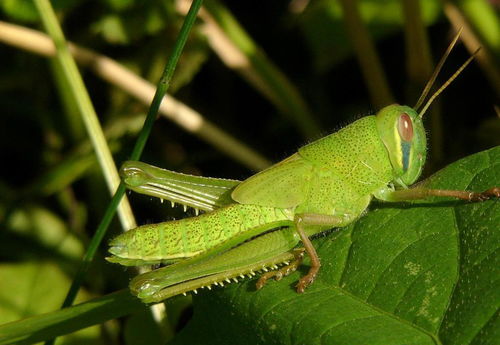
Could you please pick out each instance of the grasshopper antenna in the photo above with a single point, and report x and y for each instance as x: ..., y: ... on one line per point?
x: 434, y: 75
x: 448, y: 82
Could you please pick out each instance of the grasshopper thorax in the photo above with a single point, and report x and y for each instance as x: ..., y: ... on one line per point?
x: 403, y: 135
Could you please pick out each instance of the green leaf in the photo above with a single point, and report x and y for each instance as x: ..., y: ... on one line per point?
x: 31, y: 288
x: 413, y: 273
x: 45, y: 228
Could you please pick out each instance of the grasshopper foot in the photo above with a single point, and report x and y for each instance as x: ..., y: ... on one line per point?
x: 492, y: 192
x: 283, y: 271
x: 487, y: 194
x: 308, y: 279
x: 305, y: 281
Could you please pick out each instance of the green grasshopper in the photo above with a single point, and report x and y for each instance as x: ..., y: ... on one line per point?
x: 255, y: 225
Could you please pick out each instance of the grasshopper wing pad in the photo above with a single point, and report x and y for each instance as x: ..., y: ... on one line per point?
x: 284, y: 185
x: 195, y: 191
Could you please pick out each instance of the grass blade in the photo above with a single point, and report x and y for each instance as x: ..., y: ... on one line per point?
x: 161, y: 90
x: 46, y: 326
x: 121, y: 77
x: 87, y: 111
x: 369, y: 61
x: 255, y: 67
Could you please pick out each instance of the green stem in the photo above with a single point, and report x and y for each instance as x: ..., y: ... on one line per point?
x: 121, y: 77
x: 161, y: 90
x: 419, y: 68
x: 262, y: 73
x: 366, y: 54
x: 37, y: 328
x: 77, y: 90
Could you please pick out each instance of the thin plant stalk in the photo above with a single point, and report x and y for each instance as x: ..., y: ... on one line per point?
x: 366, y: 54
x: 419, y: 68
x: 236, y: 48
x: 118, y: 75
x: 37, y: 328
x: 161, y: 90
x: 82, y: 99
x: 485, y: 59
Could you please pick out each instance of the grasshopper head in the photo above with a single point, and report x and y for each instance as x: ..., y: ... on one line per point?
x: 403, y: 135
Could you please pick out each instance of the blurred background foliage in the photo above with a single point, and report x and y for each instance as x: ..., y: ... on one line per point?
x: 290, y: 74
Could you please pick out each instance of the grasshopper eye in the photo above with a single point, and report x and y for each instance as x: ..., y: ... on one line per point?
x: 403, y: 135
x: 405, y: 127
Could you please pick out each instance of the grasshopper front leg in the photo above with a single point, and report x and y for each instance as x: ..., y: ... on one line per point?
x: 311, y: 219
x: 417, y: 193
